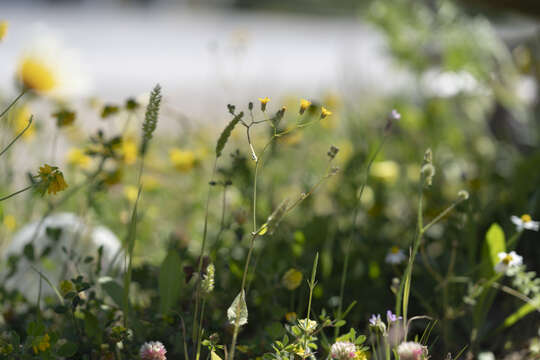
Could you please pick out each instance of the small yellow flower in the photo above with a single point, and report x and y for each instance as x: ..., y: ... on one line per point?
x: 4, y: 25
x: 129, y: 150
x: 291, y: 317
x: 42, y: 344
x: 10, y: 222
x: 182, y: 160
x: 264, y: 101
x: 52, y: 179
x: 36, y: 75
x: 20, y: 121
x: 79, y: 158
x: 325, y: 112
x: 360, y: 355
x: 292, y: 279
x: 304, y: 104
x: 131, y: 192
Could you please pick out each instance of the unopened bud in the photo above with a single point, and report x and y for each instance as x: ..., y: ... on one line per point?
x: 463, y: 195
x: 333, y: 151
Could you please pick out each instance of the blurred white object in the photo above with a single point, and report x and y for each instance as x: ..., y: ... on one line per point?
x: 486, y: 356
x: 76, y: 236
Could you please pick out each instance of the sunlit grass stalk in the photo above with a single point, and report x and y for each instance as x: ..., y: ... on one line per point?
x: 17, y: 192
x: 354, y: 232
x: 18, y: 135
x: 199, y: 335
x: 312, y: 285
x: 13, y: 103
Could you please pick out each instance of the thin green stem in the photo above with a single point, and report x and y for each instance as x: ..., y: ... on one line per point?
x: 18, y: 136
x: 199, y: 335
x: 13, y: 103
x: 17, y: 192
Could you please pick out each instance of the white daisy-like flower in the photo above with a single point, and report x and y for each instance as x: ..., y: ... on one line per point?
x: 525, y: 222
x: 395, y: 256
x: 507, y: 261
x: 411, y: 350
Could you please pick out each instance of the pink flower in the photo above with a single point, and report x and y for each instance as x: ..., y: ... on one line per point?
x: 412, y: 351
x: 343, y: 350
x: 153, y: 350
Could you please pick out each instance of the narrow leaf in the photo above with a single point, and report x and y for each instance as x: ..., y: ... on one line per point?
x: 169, y: 281
x: 224, y: 137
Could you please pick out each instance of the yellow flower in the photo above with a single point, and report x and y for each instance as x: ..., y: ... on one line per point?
x: 4, y: 25
x: 290, y: 317
x: 20, y: 121
x: 52, y: 179
x: 79, y: 158
x: 360, y: 355
x: 131, y: 192
x: 10, y: 222
x: 325, y: 112
x: 385, y: 170
x: 129, y: 150
x: 304, y: 104
x: 292, y: 279
x: 42, y: 344
x: 37, y: 75
x: 182, y: 160
x: 264, y: 101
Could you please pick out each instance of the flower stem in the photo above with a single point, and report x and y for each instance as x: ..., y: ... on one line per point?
x: 13, y: 103
x: 18, y: 136
x: 17, y: 192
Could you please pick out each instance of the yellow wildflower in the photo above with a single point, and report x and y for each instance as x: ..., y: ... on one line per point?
x: 325, y: 112
x: 304, y: 104
x: 292, y: 279
x: 385, y: 170
x: 37, y: 75
x: 291, y: 317
x: 129, y: 150
x: 42, y: 344
x: 264, y: 101
x: 52, y: 179
x: 79, y: 158
x: 131, y: 192
x: 360, y: 355
x: 20, y: 121
x: 4, y: 25
x: 10, y: 222
x: 182, y: 160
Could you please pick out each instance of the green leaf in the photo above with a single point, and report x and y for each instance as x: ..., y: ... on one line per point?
x: 214, y: 356
x: 495, y: 243
x: 113, y: 289
x: 521, y: 313
x: 169, y: 281
x: 238, y: 310
x: 68, y: 349
x: 224, y: 137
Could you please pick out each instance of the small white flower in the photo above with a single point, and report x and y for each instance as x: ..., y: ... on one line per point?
x: 507, y: 261
x: 343, y: 350
x: 412, y: 351
x: 525, y: 222
x: 395, y: 256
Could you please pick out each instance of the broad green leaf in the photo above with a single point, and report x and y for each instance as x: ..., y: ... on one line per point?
x: 169, y: 281
x: 238, y: 309
x: 494, y: 244
x: 113, y: 289
x: 214, y: 356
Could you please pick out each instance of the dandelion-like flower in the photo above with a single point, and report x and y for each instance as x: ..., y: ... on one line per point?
x: 507, y: 261
x: 292, y: 279
x: 264, y: 101
x: 411, y: 350
x: 52, y: 179
x: 4, y: 25
x: 325, y: 112
x: 525, y: 222
x: 343, y: 350
x: 182, y: 160
x: 153, y: 350
x: 304, y: 105
x: 395, y: 256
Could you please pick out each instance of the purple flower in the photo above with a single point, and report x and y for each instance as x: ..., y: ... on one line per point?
x: 395, y: 115
x: 374, y: 319
x: 390, y: 317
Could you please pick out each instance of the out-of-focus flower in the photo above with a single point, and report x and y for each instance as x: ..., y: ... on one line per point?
x: 66, y: 287
x: 182, y: 160
x: 10, y: 222
x: 131, y: 192
x: 41, y: 344
x: 304, y: 104
x: 48, y: 69
x: 207, y: 283
x: 129, y: 150
x: 292, y: 279
x: 52, y: 179
x: 525, y: 222
x: 376, y: 324
x: 486, y: 356
x: 325, y: 112
x: 20, y: 121
x: 64, y: 117
x: 507, y: 261
x: 395, y: 256
x: 290, y: 317
x: 385, y: 170
x: 343, y: 350
x: 79, y: 158
x: 360, y: 355
x: 307, y: 325
x: 391, y: 318
x: 4, y: 25
x: 411, y: 350
x: 153, y: 350
x: 264, y: 101
x: 463, y: 195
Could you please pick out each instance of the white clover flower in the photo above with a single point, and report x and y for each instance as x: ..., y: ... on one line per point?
x: 507, y: 261
x: 525, y: 222
x: 395, y: 256
x: 153, y: 350
x: 307, y: 325
x: 412, y: 351
x: 343, y: 350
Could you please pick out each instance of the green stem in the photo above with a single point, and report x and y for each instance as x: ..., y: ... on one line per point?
x: 199, y: 335
x: 12, y: 103
x: 18, y: 136
x: 17, y: 192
